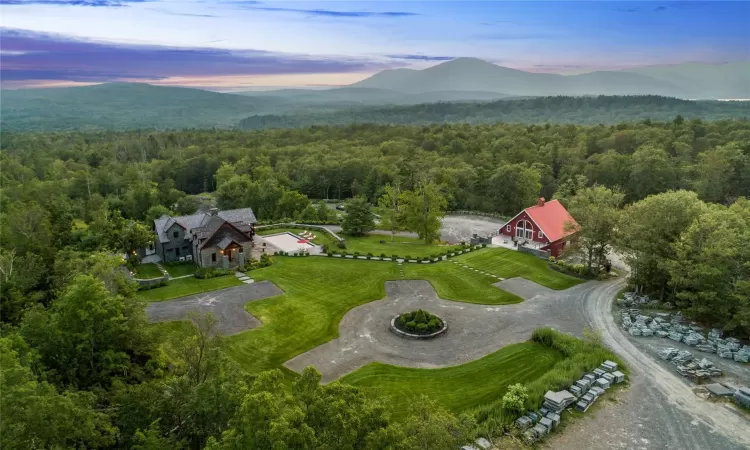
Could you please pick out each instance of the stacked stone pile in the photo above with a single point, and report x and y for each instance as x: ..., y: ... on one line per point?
x: 672, y: 326
x: 583, y: 393
x: 687, y: 365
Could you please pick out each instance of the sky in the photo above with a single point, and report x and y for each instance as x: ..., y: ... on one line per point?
x: 241, y: 45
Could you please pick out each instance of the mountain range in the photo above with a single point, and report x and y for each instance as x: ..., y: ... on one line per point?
x: 119, y: 106
x: 690, y: 80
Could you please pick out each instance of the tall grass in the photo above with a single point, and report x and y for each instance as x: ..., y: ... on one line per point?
x: 581, y: 356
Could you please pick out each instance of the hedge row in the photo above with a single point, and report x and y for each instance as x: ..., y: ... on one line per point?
x: 434, y: 257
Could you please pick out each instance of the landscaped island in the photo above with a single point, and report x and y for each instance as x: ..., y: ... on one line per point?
x: 418, y: 324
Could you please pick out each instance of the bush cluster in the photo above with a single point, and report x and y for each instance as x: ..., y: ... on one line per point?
x: 264, y: 261
x: 433, y: 257
x: 579, y: 270
x: 205, y: 273
x: 420, y: 322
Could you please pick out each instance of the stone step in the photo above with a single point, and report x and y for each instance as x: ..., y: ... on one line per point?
x: 248, y: 281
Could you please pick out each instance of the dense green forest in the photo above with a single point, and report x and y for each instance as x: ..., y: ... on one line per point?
x: 82, y: 369
x: 572, y: 110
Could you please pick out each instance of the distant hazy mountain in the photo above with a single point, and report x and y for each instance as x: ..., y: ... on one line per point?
x: 372, y: 96
x: 120, y: 106
x: 464, y: 74
x: 730, y: 80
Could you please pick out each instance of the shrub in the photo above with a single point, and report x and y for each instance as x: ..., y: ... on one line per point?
x: 551, y: 259
x: 394, y: 256
x: 341, y: 243
x: 515, y: 399
x: 382, y: 255
x: 204, y: 273
x: 330, y: 254
x: 324, y: 248
x: 407, y: 257
x: 369, y: 255
x: 420, y: 321
x: 356, y: 254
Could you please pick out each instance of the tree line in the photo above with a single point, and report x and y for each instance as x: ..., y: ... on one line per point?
x: 537, y: 110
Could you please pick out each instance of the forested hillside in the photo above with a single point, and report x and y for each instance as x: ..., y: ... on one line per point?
x: 573, y: 110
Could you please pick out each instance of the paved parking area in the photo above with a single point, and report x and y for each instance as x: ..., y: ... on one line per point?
x: 228, y: 305
x: 474, y: 331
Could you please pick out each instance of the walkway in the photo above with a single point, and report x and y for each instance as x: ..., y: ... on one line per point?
x: 474, y: 331
x: 228, y: 305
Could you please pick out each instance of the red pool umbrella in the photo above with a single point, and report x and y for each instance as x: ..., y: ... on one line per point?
x: 303, y: 241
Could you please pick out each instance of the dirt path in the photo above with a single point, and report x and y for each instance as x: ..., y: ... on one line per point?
x: 658, y: 411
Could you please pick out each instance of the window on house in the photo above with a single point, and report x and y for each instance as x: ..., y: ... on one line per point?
x: 524, y: 230
x: 242, y: 250
x: 178, y: 251
x: 213, y: 257
x: 507, y: 228
x: 541, y: 235
x: 176, y: 234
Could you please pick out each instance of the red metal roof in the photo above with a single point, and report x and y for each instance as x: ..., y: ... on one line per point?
x: 552, y: 218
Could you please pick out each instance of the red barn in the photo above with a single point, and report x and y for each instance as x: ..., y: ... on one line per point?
x: 544, y: 226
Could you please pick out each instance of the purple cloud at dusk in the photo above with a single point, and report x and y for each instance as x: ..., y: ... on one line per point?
x: 37, y: 56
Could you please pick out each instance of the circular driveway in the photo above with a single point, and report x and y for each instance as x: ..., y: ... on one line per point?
x: 474, y: 331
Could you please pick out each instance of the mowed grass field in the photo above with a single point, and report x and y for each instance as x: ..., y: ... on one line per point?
x: 456, y: 283
x: 318, y: 292
x: 458, y: 388
x: 187, y: 286
x: 376, y: 244
x: 509, y: 263
x: 147, y: 271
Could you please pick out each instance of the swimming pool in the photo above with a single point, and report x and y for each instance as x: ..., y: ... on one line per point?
x: 288, y: 242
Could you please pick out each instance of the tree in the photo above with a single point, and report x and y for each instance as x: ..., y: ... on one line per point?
x: 423, y: 209
x: 597, y: 212
x: 36, y: 415
x: 711, y: 268
x: 133, y: 237
x: 651, y: 172
x: 648, y: 230
x: 513, y: 187
x: 358, y: 218
x: 90, y: 336
x: 391, y: 209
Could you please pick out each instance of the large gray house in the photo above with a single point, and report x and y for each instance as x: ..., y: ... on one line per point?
x: 212, y: 239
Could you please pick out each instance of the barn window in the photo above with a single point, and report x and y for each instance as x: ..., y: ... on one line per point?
x: 541, y: 235
x: 524, y: 230
x: 507, y: 228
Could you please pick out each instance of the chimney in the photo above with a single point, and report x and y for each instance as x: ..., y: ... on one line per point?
x: 213, y: 211
x: 540, y: 202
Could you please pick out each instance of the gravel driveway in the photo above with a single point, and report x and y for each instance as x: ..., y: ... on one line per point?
x: 228, y: 305
x: 659, y: 411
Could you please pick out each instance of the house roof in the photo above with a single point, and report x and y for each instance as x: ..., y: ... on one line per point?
x: 552, y: 218
x: 242, y: 219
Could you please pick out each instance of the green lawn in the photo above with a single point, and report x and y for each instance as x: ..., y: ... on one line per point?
x: 456, y: 283
x: 181, y: 269
x: 147, y: 271
x: 188, y: 286
x: 401, y: 246
x: 459, y: 388
x: 319, y: 291
x: 509, y: 263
